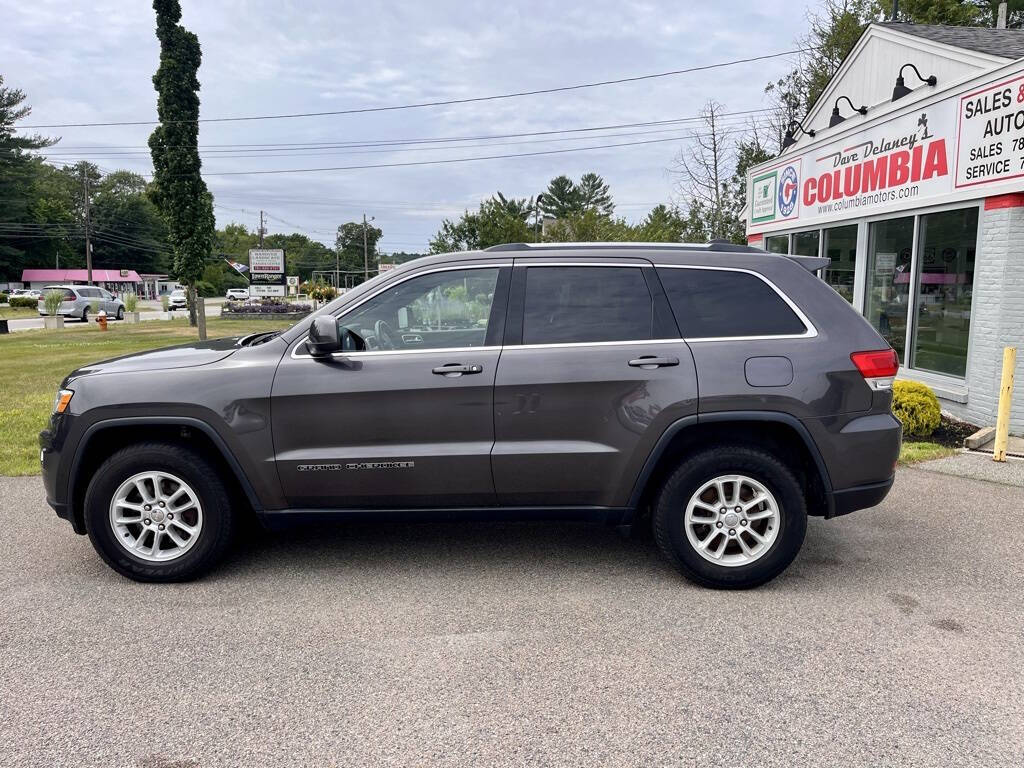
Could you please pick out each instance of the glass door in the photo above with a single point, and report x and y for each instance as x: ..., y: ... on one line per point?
x: 890, y: 246
x: 945, y: 281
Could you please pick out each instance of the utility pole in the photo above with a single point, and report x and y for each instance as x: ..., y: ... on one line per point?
x: 536, y: 217
x: 88, y: 244
x: 366, y: 252
x: 262, y: 230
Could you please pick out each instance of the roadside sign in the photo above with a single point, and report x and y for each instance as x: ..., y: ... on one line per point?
x: 256, y: 289
x: 293, y: 280
x: 266, y: 266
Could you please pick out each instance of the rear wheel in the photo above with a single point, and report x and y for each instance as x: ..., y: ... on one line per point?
x: 731, y: 517
x: 120, y: 313
x: 85, y: 314
x: 158, y: 512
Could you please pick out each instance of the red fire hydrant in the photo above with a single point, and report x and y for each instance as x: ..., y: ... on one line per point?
x: 101, y: 319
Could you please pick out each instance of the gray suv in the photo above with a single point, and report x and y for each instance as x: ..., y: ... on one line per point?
x: 716, y: 392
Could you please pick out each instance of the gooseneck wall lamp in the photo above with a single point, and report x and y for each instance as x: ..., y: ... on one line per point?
x: 901, y: 89
x: 790, y: 139
x: 836, y: 118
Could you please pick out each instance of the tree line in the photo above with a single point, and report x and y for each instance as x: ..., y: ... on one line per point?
x: 166, y: 225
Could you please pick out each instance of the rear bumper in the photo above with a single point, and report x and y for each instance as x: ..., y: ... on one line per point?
x: 859, y: 497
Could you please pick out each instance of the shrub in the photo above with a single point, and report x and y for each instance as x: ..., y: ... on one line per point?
x: 3, y: 298
x: 165, y: 302
x: 131, y: 302
x: 206, y: 289
x: 916, y: 406
x: 52, y: 301
x: 320, y: 291
x: 24, y: 301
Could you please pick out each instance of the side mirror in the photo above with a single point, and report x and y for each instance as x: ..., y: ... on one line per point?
x: 324, y: 338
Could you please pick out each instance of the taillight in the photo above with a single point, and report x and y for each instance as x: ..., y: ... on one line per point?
x: 878, y: 367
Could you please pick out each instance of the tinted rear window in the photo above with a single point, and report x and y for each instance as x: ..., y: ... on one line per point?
x: 586, y: 304
x: 712, y: 303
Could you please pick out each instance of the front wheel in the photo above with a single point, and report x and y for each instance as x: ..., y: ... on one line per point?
x: 731, y: 517
x: 158, y: 512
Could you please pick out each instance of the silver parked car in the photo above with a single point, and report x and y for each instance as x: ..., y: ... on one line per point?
x: 79, y: 300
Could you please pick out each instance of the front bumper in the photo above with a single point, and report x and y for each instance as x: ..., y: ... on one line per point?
x: 54, y: 482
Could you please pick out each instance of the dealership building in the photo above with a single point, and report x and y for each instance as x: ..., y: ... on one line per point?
x: 914, y: 188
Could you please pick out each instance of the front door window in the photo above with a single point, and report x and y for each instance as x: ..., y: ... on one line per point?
x: 889, y: 260
x: 440, y: 310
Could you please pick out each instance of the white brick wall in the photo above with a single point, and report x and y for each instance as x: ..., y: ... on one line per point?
x: 997, y: 318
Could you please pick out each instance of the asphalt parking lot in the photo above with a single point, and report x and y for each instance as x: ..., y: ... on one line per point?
x: 895, y: 639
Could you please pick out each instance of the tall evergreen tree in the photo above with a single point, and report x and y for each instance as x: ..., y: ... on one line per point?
x: 593, y: 195
x: 178, y: 189
x: 561, y: 198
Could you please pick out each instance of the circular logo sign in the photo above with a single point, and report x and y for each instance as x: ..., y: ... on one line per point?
x: 789, y: 187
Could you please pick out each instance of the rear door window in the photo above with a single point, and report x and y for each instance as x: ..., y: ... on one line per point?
x: 586, y: 304
x: 718, y: 303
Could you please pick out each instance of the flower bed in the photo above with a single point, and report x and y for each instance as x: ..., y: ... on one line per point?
x: 277, y: 309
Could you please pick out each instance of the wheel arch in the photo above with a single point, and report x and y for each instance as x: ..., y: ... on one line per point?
x: 779, y: 432
x: 103, y: 437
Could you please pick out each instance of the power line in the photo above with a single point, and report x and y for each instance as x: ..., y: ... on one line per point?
x: 439, y: 162
x: 357, y: 143
x: 444, y: 103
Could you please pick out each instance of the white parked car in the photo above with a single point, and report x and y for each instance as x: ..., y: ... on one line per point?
x: 28, y: 293
x: 177, y: 300
x: 237, y: 294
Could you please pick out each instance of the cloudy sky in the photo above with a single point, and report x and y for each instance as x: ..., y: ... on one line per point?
x: 82, y: 62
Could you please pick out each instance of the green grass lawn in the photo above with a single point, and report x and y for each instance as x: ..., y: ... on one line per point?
x: 33, y: 363
x: 912, y: 453
x: 17, y: 313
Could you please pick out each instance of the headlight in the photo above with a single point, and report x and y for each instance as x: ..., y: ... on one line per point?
x: 62, y: 400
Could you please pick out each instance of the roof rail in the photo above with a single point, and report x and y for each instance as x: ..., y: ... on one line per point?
x: 714, y: 245
x: 810, y: 263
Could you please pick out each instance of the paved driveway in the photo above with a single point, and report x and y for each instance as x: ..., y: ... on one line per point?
x: 897, y: 638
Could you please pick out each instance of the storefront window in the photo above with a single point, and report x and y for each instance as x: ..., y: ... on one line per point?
x: 805, y: 243
x: 777, y: 243
x: 841, y: 247
x: 889, y: 248
x: 942, y: 320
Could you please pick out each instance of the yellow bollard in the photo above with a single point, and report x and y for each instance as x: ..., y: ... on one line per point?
x: 1005, y: 396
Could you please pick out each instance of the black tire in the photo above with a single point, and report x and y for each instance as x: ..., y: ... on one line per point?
x: 85, y: 314
x: 671, y: 502
x: 213, y: 538
x: 120, y: 313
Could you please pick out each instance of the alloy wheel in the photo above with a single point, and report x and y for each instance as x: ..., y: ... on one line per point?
x: 156, y: 516
x: 732, y: 520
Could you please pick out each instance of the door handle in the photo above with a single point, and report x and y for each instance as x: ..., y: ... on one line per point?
x: 457, y: 369
x: 650, y: 362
